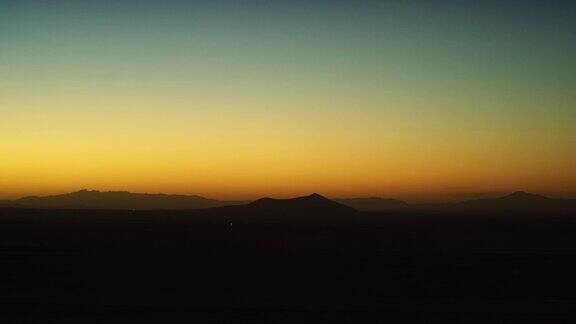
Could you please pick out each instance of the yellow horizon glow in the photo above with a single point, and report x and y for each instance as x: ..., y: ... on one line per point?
x: 224, y: 155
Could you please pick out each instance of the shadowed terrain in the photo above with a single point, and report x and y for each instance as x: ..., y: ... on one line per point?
x: 93, y: 199
x: 280, y: 261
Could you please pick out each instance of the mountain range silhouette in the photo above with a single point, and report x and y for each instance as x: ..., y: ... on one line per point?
x: 178, y: 254
x: 93, y: 199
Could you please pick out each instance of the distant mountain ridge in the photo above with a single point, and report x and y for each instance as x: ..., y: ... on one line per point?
x: 519, y: 200
x: 94, y: 199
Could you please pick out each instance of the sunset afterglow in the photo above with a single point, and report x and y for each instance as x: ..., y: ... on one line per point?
x: 237, y: 101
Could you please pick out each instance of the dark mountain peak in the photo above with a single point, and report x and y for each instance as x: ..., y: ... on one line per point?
x: 519, y: 200
x: 518, y: 197
x: 523, y: 195
x: 310, y: 198
x: 263, y: 200
x: 315, y: 197
x: 313, y: 202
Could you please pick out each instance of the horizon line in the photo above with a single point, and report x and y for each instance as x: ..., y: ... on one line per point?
x: 487, y: 196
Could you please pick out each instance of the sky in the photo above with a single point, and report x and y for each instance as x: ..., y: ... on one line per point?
x: 240, y: 99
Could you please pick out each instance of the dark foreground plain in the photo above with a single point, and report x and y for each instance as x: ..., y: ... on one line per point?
x: 262, y: 264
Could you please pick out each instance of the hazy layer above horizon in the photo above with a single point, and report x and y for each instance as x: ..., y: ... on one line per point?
x: 238, y: 100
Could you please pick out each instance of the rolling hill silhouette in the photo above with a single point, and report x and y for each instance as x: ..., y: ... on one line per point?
x: 315, y: 203
x: 313, y: 208
x: 519, y: 200
x: 93, y: 199
x: 307, y: 204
